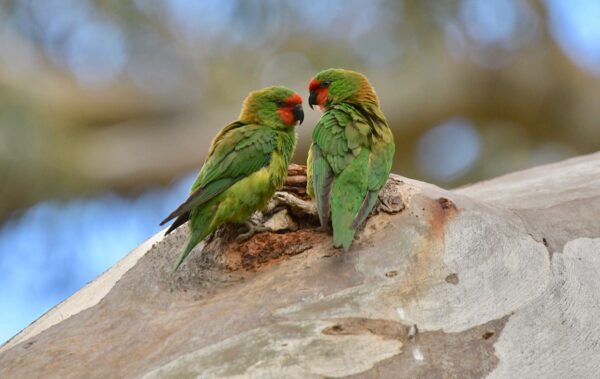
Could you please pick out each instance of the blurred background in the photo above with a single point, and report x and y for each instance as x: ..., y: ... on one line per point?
x: 107, y: 107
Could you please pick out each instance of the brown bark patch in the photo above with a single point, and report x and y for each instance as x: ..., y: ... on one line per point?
x: 467, y: 354
x: 357, y: 326
x: 391, y: 274
x: 429, y: 259
x: 392, y: 198
x: 446, y: 204
x: 452, y: 279
x: 265, y: 249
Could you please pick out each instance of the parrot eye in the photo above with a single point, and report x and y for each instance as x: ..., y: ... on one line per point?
x: 326, y: 83
x: 279, y: 103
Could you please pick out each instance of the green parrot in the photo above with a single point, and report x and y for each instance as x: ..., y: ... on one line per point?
x: 351, y: 154
x: 247, y: 162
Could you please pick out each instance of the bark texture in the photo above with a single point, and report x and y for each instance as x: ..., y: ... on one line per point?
x: 499, y: 279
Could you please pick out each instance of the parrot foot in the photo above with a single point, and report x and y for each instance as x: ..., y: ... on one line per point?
x: 210, y: 237
x: 280, y: 215
x: 252, y: 230
x: 325, y: 229
x: 274, y: 219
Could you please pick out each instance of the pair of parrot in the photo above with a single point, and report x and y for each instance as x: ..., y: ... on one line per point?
x: 349, y: 160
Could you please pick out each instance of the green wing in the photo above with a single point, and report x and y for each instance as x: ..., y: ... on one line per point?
x: 381, y: 157
x: 337, y: 140
x: 322, y: 180
x: 351, y: 159
x: 236, y: 152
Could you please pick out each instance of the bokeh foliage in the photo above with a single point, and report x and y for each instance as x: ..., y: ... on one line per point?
x: 105, y: 103
x: 122, y: 94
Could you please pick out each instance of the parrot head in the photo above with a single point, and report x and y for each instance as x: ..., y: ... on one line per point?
x: 279, y: 107
x: 336, y: 85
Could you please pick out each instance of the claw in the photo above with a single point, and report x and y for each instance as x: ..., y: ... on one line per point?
x: 252, y: 230
x: 210, y: 237
x: 276, y: 216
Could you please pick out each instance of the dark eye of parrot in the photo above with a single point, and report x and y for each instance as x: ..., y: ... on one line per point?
x: 279, y: 103
x: 326, y: 83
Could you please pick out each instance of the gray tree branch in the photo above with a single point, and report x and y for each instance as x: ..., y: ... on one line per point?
x: 498, y: 279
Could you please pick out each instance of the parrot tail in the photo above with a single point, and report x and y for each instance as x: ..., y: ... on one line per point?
x: 178, y: 222
x: 200, y: 229
x: 194, y: 240
x: 366, y: 208
x: 350, y: 200
x: 343, y: 236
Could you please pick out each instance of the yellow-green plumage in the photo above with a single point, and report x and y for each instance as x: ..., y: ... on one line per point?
x: 351, y: 154
x: 247, y: 162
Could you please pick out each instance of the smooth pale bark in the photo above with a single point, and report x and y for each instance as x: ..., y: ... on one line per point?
x: 499, y: 279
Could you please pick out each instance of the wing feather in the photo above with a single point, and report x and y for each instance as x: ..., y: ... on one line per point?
x: 322, y: 181
x: 236, y: 152
x: 339, y: 139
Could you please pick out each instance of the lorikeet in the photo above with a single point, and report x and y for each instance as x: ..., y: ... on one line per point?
x: 247, y: 162
x: 351, y: 153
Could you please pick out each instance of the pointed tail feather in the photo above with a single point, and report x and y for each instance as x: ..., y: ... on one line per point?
x: 343, y: 236
x: 366, y: 208
x: 343, y: 216
x: 201, y: 222
x: 177, y: 212
x: 186, y: 251
x: 195, y: 239
x: 348, y: 197
x: 178, y: 222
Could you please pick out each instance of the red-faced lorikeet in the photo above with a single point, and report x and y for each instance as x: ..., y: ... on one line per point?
x: 351, y: 153
x: 247, y: 162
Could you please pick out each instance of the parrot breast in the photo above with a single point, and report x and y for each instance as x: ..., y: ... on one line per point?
x: 254, y: 192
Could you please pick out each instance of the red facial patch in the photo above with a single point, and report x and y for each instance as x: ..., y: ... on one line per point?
x: 314, y: 85
x: 322, y: 97
x: 287, y: 115
x: 286, y: 112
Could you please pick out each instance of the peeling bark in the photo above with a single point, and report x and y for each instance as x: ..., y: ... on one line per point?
x: 498, y: 279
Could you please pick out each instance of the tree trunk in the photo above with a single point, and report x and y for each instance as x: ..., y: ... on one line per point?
x: 498, y: 279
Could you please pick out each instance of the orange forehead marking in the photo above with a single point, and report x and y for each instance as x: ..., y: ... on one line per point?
x: 294, y: 99
x: 313, y: 85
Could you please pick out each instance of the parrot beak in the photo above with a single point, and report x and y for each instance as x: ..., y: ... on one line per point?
x: 312, y: 99
x: 298, y: 113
